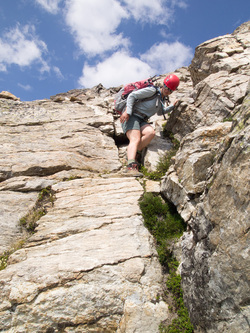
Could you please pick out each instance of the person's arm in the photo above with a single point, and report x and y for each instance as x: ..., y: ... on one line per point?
x: 124, y: 117
x: 168, y: 109
x: 137, y: 95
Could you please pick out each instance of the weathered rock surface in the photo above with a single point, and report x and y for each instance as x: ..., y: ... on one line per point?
x: 41, y: 141
x: 91, y: 265
x: 47, y: 138
x: 209, y: 184
x: 220, y: 73
x: 8, y: 95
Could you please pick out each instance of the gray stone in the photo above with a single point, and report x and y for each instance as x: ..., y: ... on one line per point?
x: 8, y: 95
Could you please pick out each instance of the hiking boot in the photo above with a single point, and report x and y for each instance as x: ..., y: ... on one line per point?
x: 132, y: 170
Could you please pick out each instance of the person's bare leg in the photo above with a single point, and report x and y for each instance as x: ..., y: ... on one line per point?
x: 147, y: 135
x: 139, y: 139
x: 134, y: 137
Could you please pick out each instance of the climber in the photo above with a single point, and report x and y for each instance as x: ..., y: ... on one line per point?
x: 134, y: 119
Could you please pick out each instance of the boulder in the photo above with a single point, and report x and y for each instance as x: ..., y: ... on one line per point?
x: 8, y: 95
x: 220, y: 74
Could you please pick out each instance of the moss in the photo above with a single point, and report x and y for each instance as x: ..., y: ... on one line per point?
x: 45, y: 199
x: 29, y: 221
x: 182, y: 323
x: 163, y: 221
x: 166, y: 225
x: 5, y: 256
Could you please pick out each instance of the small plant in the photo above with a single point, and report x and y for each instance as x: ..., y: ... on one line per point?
x: 46, y: 194
x: 165, y: 160
x: 230, y: 118
x: 29, y: 221
x: 71, y: 178
x: 170, y: 135
x: 45, y: 200
x: 166, y: 225
x: 163, y: 221
x: 3, y: 260
x: 5, y: 256
x: 162, y: 167
x: 182, y: 323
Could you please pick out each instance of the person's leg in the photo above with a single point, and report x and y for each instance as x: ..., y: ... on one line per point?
x: 139, y: 139
x: 140, y: 135
x: 134, y: 137
x: 147, y: 135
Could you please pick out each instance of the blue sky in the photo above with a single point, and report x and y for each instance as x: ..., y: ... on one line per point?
x: 52, y: 46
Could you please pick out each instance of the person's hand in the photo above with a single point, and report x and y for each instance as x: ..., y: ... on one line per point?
x: 124, y: 117
x: 176, y: 102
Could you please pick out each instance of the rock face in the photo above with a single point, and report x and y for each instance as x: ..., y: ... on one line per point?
x: 209, y: 184
x: 220, y: 73
x: 91, y: 265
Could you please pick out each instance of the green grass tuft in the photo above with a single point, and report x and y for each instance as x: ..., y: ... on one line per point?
x: 182, y: 323
x: 45, y: 199
x: 163, y: 221
x: 166, y: 225
x: 5, y: 255
x: 164, y: 162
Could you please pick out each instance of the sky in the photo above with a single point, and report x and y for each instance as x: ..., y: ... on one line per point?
x: 52, y: 46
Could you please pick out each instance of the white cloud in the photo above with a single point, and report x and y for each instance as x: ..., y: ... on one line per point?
x: 122, y: 68
x: 180, y: 3
x: 167, y: 57
x: 118, y: 69
x: 94, y: 23
x: 58, y: 73
x: 26, y: 87
x: 157, y: 11
x: 49, y: 5
x: 20, y: 46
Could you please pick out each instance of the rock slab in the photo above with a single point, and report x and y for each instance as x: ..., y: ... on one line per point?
x: 91, y: 265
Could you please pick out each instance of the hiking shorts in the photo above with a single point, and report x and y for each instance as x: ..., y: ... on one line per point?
x: 134, y: 123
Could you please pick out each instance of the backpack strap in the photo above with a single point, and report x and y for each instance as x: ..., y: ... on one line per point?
x: 143, y: 116
x: 157, y: 93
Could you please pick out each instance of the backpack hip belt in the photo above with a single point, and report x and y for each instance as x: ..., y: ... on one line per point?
x: 141, y: 115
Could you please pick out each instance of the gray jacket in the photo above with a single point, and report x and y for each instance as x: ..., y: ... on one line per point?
x: 148, y: 107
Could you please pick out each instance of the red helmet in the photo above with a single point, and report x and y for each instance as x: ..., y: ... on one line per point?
x: 172, y: 81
